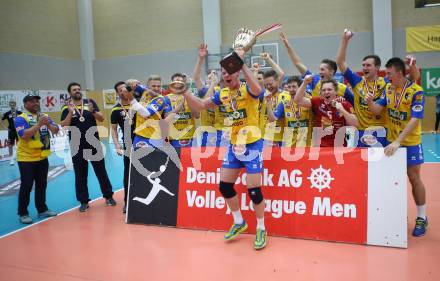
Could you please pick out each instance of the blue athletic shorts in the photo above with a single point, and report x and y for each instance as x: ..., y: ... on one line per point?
x: 142, y: 142
x: 249, y: 156
x: 414, y: 155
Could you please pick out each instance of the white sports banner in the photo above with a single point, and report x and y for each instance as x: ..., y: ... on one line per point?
x: 4, y: 150
x: 60, y: 141
x: 7, y: 96
x: 51, y: 100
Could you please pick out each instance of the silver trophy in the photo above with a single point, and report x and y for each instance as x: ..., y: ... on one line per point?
x: 245, y: 38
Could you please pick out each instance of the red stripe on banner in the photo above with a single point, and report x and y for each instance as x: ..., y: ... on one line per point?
x: 314, y: 198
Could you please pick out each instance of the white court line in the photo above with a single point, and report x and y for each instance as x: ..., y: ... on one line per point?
x: 44, y: 220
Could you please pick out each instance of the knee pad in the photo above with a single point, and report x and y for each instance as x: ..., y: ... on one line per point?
x: 227, y: 189
x: 256, y: 195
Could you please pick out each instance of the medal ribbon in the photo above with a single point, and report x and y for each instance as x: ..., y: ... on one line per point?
x: 368, y: 88
x: 82, y: 109
x: 397, y: 101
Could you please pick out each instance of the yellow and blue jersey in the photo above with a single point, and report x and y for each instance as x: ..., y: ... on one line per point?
x: 207, y: 116
x: 37, y: 147
x: 360, y: 89
x: 401, y: 107
x: 184, y: 126
x: 314, y: 88
x: 272, y: 131
x: 242, y: 113
x: 149, y: 128
x: 297, y: 120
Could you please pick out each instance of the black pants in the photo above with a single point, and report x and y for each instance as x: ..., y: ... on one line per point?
x: 31, y: 172
x: 126, y: 172
x: 437, y: 120
x: 81, y: 169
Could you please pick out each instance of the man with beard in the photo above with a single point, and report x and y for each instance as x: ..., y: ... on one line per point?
x: 330, y: 112
x: 241, y: 102
x: 404, y: 103
x: 33, y: 149
x: 12, y: 133
x: 81, y: 115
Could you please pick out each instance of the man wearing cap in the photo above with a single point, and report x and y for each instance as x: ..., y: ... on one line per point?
x: 33, y: 148
x: 81, y: 115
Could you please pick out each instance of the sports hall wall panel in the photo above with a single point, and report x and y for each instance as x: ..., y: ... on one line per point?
x: 299, y: 18
x: 126, y: 28
x: 29, y: 72
x: 404, y: 14
x: 109, y: 71
x: 40, y: 27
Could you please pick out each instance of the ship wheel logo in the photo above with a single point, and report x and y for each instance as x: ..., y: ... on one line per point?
x: 320, y: 178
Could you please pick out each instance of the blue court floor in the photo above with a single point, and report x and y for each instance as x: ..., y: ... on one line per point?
x: 60, y: 195
x: 61, y: 189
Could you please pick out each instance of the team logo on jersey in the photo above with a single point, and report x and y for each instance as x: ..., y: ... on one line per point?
x: 417, y: 108
x: 155, y: 107
x: 159, y: 101
x: 239, y: 149
x: 419, y: 98
x: 288, y: 114
x: 141, y: 144
x: 369, y: 140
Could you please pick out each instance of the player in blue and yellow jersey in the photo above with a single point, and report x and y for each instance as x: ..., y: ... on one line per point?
x: 33, y: 148
x: 297, y: 125
x: 272, y: 131
x: 241, y: 102
x: 212, y: 120
x: 181, y: 131
x: 148, y: 130
x: 327, y: 70
x: 371, y: 126
x: 404, y: 103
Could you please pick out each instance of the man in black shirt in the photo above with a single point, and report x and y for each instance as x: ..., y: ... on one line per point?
x: 125, y: 118
x: 12, y: 133
x: 81, y: 115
